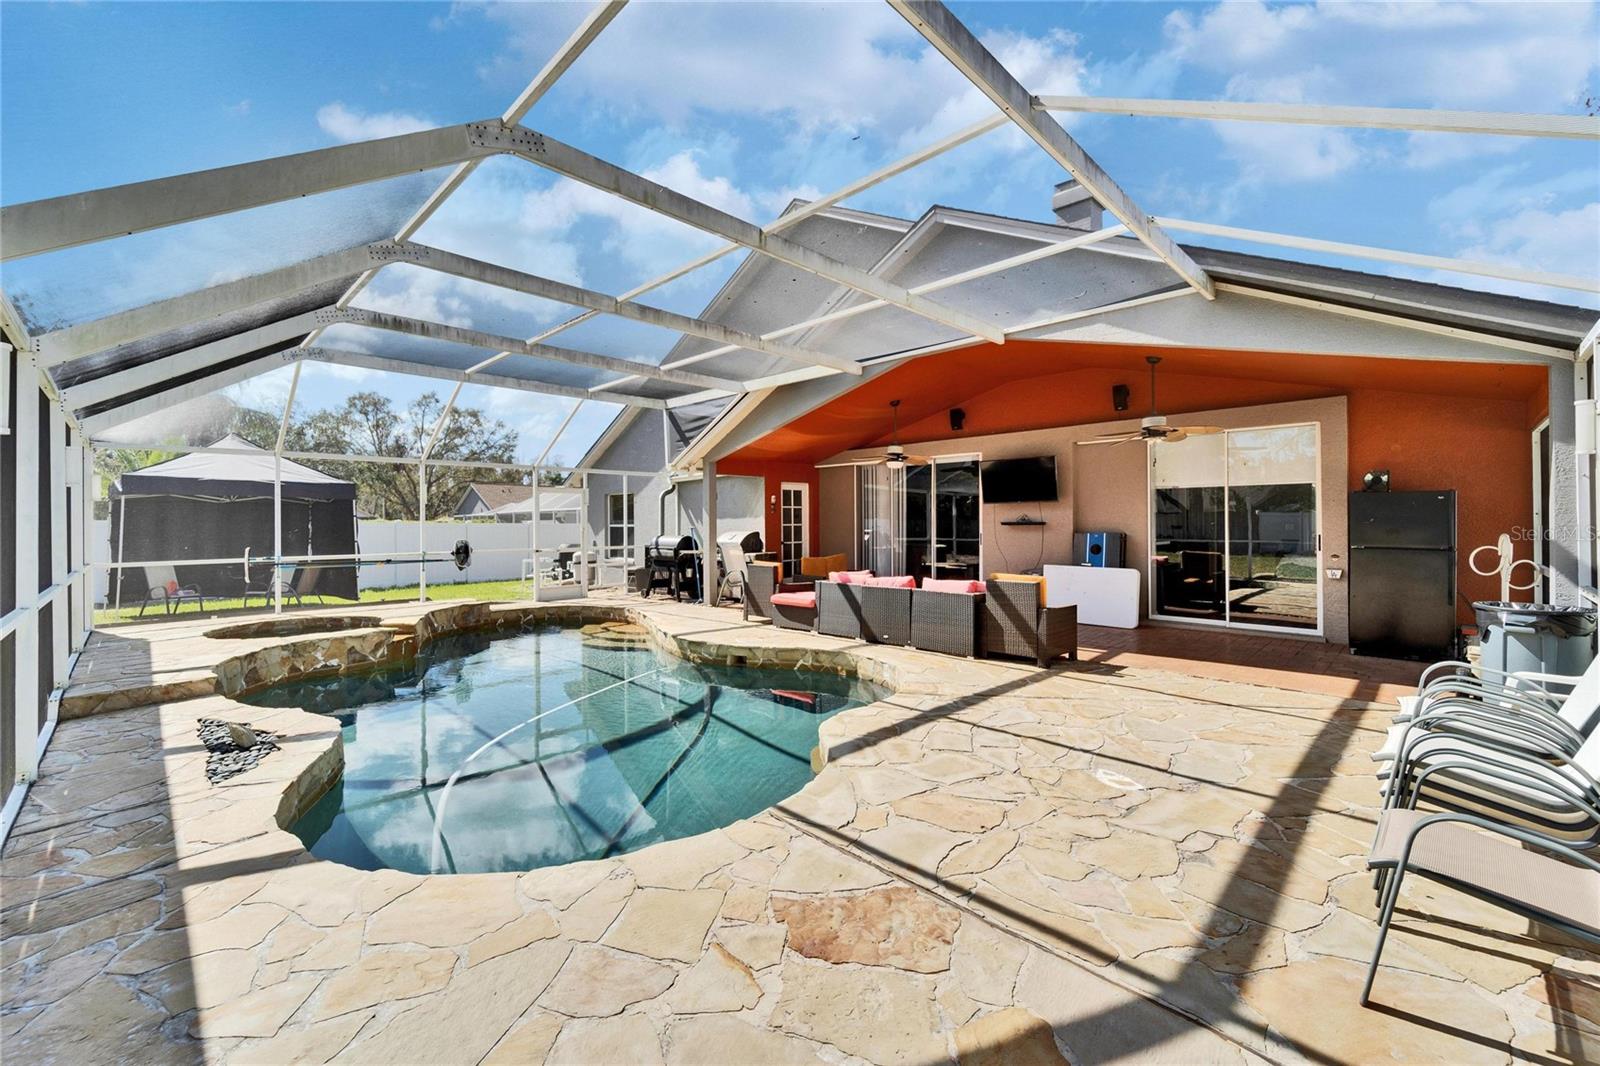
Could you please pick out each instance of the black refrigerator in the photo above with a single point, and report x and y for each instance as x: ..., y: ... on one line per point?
x: 1403, y: 574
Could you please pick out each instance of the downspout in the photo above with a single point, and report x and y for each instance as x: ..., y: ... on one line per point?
x: 661, y: 507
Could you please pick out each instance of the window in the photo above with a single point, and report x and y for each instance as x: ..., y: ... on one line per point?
x: 619, y: 525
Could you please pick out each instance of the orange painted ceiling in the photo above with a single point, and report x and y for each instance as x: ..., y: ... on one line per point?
x: 1039, y: 384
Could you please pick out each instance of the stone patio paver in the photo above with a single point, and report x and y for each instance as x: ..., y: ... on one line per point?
x: 995, y: 863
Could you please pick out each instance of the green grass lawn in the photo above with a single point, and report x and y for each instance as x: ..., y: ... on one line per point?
x: 466, y: 590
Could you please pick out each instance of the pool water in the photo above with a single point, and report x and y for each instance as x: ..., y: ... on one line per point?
x: 554, y: 745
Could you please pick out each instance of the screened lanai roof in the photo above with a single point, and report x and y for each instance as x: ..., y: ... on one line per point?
x: 822, y: 290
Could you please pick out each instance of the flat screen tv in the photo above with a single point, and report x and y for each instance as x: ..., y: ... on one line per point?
x: 1020, y: 480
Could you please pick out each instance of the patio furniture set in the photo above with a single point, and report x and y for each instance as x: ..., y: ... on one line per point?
x: 1494, y: 755
x: 1004, y: 616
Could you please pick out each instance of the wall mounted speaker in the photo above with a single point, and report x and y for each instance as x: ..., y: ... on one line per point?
x: 958, y: 418
x: 1119, y: 397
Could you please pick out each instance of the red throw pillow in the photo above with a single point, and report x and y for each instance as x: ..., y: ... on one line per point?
x: 172, y: 587
x: 905, y: 582
x: 849, y: 577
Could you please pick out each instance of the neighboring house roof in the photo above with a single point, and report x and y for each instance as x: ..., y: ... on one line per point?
x: 549, y: 500
x: 493, y: 494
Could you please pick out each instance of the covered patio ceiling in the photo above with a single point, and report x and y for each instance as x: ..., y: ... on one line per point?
x: 1045, y: 384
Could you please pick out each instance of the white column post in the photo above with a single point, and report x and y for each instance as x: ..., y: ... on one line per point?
x: 61, y: 604
x: 538, y: 570
x: 708, y: 529
x: 1583, y: 456
x: 422, y: 530
x: 585, y: 534
x: 26, y: 500
x: 80, y: 519
x: 275, y: 570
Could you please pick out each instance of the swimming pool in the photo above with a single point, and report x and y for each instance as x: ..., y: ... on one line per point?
x: 554, y: 745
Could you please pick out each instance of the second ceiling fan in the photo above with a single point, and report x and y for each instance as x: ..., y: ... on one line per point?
x: 1154, y: 425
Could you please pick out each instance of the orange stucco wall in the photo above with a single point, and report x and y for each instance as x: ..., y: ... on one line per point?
x: 1432, y: 425
x: 1480, y: 448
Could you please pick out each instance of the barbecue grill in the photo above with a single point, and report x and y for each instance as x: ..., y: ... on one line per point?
x: 672, y: 563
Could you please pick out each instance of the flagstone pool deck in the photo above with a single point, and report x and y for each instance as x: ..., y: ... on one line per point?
x: 1148, y: 855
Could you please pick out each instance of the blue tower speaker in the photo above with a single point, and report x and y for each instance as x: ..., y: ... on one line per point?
x: 1098, y: 548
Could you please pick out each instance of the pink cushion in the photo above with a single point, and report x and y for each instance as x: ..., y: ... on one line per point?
x: 951, y: 584
x: 795, y: 599
x: 891, y: 582
x: 849, y: 577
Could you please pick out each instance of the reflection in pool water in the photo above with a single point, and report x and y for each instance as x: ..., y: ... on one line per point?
x: 554, y: 745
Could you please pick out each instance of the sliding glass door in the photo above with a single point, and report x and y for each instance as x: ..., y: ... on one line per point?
x: 1235, y: 529
x: 921, y: 520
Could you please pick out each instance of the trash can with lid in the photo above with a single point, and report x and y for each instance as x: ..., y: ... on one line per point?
x: 1540, y: 637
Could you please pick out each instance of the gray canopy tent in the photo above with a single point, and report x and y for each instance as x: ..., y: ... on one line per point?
x: 218, y: 506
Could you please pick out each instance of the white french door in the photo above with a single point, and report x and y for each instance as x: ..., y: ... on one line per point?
x: 794, y: 540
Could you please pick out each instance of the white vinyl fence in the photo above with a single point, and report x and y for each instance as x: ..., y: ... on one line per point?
x: 498, y: 550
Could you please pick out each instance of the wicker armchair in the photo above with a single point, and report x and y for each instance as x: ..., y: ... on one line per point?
x: 785, y: 604
x: 1016, y: 622
x: 947, y: 622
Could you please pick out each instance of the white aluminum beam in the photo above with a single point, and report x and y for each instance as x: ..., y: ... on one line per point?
x: 506, y: 278
x: 1386, y: 255
x: 169, y: 398
x: 821, y: 203
x: 1581, y: 127
x: 562, y: 428
x: 99, y: 334
x: 83, y: 218
x: 179, y: 364
x: 582, y: 167
x: 949, y: 281
x: 343, y: 357
x: 417, y: 327
x: 947, y: 34
x: 542, y: 82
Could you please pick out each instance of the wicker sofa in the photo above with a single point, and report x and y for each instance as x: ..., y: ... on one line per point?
x: 947, y: 617
x: 1016, y: 622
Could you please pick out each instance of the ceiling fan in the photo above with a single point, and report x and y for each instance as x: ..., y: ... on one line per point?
x: 1154, y: 425
x: 894, y: 457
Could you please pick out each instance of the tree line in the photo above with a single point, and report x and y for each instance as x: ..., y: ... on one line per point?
x: 367, y: 423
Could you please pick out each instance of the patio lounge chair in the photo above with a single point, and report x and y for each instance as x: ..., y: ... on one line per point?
x: 1455, y: 679
x: 788, y: 605
x: 163, y: 588
x: 1506, y: 712
x: 1512, y: 775
x: 1016, y: 621
x: 1518, y: 872
x: 301, y: 584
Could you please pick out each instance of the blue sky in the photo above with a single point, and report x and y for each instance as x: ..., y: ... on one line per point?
x: 748, y: 105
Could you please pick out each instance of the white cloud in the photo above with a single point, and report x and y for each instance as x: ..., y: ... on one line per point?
x: 1534, y: 238
x: 351, y: 124
x: 1535, y: 57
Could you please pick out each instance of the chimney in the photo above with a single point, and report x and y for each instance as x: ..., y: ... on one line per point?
x: 1074, y: 206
